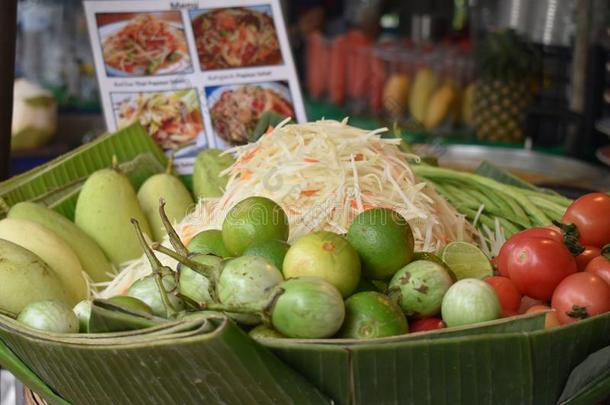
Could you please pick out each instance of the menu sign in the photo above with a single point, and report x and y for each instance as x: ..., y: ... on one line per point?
x: 195, y: 74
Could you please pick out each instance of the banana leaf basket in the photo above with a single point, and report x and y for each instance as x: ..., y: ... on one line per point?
x: 212, y: 360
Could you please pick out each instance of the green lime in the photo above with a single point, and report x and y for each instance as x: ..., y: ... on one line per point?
x: 208, y: 242
x: 252, y: 220
x: 272, y: 250
x: 325, y: 255
x: 383, y: 240
x: 466, y: 260
x: 370, y: 315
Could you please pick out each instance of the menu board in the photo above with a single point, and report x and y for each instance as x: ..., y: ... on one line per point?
x: 195, y: 74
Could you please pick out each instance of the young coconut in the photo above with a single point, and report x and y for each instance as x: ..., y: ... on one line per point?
x: 419, y: 287
x: 371, y: 314
x: 156, y: 290
x: 49, y: 316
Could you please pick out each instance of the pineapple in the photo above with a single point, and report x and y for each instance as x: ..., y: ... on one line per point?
x: 504, y: 91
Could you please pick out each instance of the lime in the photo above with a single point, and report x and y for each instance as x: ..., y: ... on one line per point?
x: 272, y: 250
x: 383, y: 240
x: 371, y: 314
x: 466, y: 260
x: 325, y: 255
x: 252, y: 220
x: 208, y: 242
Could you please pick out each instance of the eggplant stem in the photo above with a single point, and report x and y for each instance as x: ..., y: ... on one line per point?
x: 157, y: 269
x: 202, y: 269
x: 241, y: 309
x: 174, y: 239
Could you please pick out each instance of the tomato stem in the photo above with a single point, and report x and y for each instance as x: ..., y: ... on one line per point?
x: 578, y: 312
x: 570, y: 238
x: 606, y: 251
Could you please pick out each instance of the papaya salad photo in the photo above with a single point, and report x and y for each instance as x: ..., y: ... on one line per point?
x: 235, y: 110
x: 143, y: 44
x: 173, y: 118
x: 236, y: 37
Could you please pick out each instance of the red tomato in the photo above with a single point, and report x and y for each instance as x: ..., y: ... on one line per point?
x: 580, y: 296
x: 550, y: 320
x: 527, y: 303
x: 590, y: 253
x: 508, y: 295
x: 600, y: 266
x: 537, y: 265
x: 509, y: 245
x: 421, y: 325
x: 591, y: 215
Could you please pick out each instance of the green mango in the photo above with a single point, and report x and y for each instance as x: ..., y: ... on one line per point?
x: 26, y: 278
x: 91, y: 256
x: 177, y: 198
x: 207, y: 182
x: 106, y: 204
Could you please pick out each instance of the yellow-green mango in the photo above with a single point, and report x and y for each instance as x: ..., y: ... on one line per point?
x: 26, y: 278
x: 90, y: 255
x: 52, y: 249
x: 104, y: 209
x: 178, y: 201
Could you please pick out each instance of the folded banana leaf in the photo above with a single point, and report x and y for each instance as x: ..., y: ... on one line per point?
x: 200, y: 361
x: 126, y: 144
x: 63, y: 200
x: 213, y: 361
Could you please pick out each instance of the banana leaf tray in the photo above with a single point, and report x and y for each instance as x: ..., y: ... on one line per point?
x: 213, y: 361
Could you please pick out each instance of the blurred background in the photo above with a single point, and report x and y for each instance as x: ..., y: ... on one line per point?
x: 464, y: 79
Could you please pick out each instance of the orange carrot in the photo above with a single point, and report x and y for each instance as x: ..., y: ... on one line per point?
x: 309, y: 193
x: 311, y: 160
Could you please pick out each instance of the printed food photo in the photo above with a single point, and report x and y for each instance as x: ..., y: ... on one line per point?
x: 236, y: 109
x: 143, y: 44
x: 172, y: 118
x: 236, y: 37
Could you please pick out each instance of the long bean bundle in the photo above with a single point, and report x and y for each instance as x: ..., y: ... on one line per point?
x: 484, y: 200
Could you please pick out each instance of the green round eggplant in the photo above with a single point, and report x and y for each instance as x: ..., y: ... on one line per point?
x: 419, y: 288
x: 308, y: 308
x: 146, y: 290
x: 49, y: 316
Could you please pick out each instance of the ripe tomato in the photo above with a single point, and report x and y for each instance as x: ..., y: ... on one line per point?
x: 508, y: 295
x: 550, y: 320
x: 590, y: 253
x: 527, y: 303
x: 601, y: 267
x: 591, y: 215
x: 509, y: 245
x: 537, y: 265
x: 580, y: 296
x: 421, y: 325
